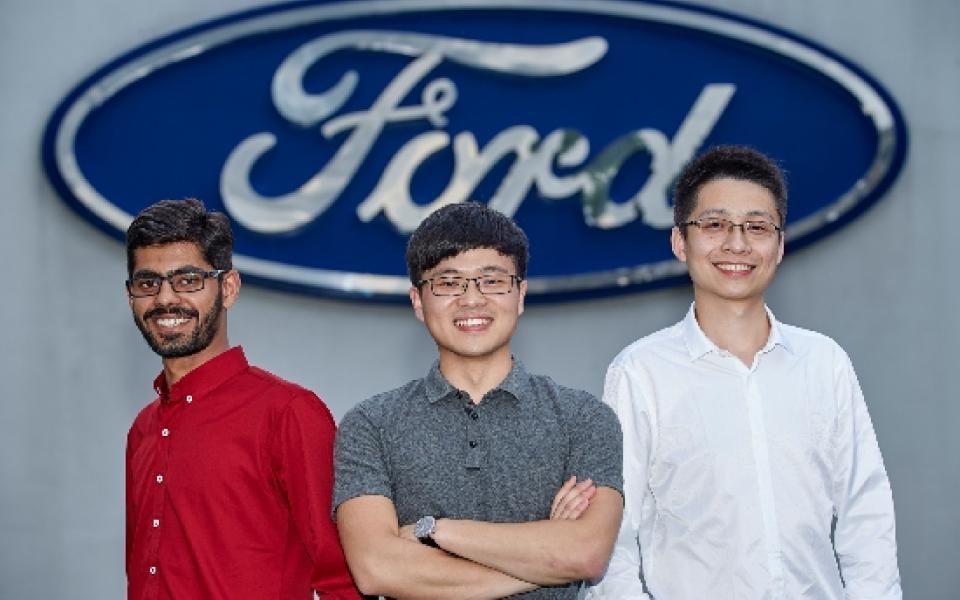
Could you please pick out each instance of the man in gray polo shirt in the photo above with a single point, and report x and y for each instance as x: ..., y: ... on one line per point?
x: 479, y: 480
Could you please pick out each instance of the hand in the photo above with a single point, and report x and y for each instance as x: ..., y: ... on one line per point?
x: 406, y: 533
x: 572, y: 499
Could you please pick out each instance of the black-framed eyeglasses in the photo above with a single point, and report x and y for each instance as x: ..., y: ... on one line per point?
x: 454, y: 285
x: 715, y: 227
x: 181, y: 282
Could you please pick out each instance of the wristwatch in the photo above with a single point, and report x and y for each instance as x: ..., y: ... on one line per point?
x: 424, y: 530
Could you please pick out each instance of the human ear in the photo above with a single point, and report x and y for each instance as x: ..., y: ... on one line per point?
x: 230, y: 284
x: 678, y: 244
x: 522, y: 290
x: 417, y: 302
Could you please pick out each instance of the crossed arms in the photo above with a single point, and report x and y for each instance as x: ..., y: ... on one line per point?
x: 477, y: 559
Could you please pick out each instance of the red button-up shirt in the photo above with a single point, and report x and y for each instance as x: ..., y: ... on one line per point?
x: 229, y: 477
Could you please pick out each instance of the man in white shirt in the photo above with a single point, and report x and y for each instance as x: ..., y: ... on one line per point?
x: 751, y: 468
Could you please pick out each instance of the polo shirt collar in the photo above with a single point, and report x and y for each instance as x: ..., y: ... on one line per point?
x: 204, y: 378
x: 699, y: 345
x: 515, y: 384
x: 436, y: 385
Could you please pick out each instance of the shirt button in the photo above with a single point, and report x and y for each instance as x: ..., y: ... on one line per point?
x: 165, y: 432
x: 156, y: 522
x: 153, y: 570
x: 159, y: 478
x: 473, y: 443
x: 189, y: 399
x: 474, y: 415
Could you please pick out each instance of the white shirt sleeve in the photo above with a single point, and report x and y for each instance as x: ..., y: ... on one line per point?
x: 865, y: 535
x: 623, y: 577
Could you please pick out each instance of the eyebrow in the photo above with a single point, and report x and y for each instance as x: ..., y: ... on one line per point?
x: 177, y: 271
x: 710, y: 212
x: 480, y: 270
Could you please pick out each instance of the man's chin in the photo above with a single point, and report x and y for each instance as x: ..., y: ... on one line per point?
x: 175, y: 351
x: 172, y: 346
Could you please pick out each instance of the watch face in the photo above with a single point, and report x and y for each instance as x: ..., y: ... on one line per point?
x: 424, y: 527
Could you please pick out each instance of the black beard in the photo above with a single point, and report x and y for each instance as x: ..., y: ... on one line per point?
x: 198, y: 341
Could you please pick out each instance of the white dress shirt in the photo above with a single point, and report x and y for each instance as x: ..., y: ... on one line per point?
x: 734, y: 475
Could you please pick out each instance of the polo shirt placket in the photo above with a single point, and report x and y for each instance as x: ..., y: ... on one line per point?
x: 474, y: 450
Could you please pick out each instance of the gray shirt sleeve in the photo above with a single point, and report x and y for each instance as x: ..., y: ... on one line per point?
x: 360, y: 467
x: 596, y: 444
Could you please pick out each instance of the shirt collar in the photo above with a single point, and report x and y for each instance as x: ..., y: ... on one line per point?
x: 514, y: 384
x: 204, y: 378
x: 698, y: 344
x: 777, y: 334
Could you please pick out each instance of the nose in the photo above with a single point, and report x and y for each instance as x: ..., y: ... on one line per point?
x: 166, y: 296
x: 472, y: 295
x: 736, y: 239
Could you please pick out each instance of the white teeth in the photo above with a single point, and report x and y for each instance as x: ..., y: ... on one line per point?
x: 170, y: 322
x: 475, y: 322
x: 732, y: 267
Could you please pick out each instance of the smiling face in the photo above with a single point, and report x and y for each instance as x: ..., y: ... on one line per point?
x: 471, y: 326
x: 734, y: 266
x: 178, y: 325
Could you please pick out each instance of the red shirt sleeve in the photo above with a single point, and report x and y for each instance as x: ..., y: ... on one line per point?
x: 303, y: 467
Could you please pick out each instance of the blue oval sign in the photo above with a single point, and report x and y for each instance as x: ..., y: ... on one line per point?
x: 329, y: 131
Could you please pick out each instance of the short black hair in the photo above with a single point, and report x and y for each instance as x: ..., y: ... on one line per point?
x: 187, y: 220
x: 733, y: 162
x: 457, y: 228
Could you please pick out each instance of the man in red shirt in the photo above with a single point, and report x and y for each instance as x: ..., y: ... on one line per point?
x: 229, y: 470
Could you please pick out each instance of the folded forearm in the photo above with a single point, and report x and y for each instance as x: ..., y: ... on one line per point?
x: 544, y: 552
x: 548, y: 552
x: 403, y: 569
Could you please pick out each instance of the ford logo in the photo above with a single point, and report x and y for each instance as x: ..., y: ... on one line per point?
x: 328, y: 131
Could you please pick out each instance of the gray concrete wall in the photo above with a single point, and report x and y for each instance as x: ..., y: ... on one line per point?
x: 75, y: 371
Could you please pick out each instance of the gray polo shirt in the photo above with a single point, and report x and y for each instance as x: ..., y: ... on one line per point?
x: 430, y: 450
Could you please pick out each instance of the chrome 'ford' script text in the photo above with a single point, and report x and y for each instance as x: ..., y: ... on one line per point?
x: 534, y: 156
